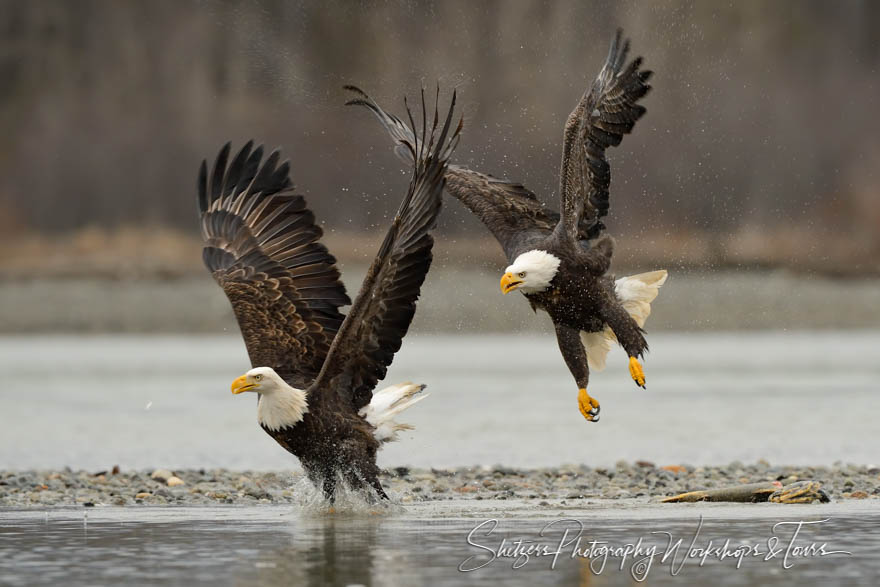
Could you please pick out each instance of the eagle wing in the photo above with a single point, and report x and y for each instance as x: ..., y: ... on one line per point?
x: 383, y: 309
x: 606, y: 112
x: 511, y: 212
x: 261, y: 246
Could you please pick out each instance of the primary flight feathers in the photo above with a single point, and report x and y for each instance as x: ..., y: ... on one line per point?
x: 261, y: 246
x: 606, y: 112
x: 511, y: 212
x: 385, y: 305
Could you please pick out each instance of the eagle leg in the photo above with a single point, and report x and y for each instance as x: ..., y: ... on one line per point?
x: 365, y: 476
x: 379, y: 490
x: 329, y: 486
x: 572, y: 349
x: 371, y: 477
x: 636, y: 372
x: 589, y: 406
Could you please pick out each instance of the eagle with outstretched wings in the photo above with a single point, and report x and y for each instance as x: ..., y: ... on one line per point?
x: 560, y: 261
x: 315, y: 369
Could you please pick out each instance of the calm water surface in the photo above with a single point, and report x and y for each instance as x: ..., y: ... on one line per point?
x: 426, y: 545
x: 141, y: 402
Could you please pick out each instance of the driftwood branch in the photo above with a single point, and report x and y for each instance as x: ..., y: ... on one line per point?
x: 774, y: 491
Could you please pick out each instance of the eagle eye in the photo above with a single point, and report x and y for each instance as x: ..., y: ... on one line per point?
x: 257, y: 377
x: 522, y: 274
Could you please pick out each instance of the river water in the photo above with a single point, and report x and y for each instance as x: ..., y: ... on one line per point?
x: 448, y: 543
x: 144, y: 402
x: 807, y: 398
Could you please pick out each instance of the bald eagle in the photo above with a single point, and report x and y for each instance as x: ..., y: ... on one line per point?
x: 315, y: 369
x: 560, y: 262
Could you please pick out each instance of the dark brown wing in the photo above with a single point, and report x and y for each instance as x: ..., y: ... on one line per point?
x: 511, y: 212
x: 380, y: 316
x: 261, y: 246
x: 605, y: 113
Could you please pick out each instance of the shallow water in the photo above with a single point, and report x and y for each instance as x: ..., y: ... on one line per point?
x: 427, y: 544
x: 91, y: 402
x: 791, y: 398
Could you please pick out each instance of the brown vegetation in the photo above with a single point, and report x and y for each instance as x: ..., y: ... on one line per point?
x: 133, y: 253
x: 759, y: 146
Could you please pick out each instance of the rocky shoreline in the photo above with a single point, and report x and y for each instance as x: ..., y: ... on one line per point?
x: 547, y: 486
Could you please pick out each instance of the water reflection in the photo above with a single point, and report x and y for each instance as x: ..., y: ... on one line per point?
x: 312, y: 552
x: 274, y: 546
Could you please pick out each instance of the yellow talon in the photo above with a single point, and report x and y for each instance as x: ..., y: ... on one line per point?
x: 588, y: 406
x: 636, y: 372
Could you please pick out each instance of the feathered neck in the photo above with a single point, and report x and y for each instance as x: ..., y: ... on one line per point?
x: 282, y: 408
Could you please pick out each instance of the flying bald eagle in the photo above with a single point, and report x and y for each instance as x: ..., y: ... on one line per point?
x: 315, y: 369
x: 561, y: 261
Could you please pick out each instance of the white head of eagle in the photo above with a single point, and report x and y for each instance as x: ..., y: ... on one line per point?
x: 280, y: 405
x: 531, y: 272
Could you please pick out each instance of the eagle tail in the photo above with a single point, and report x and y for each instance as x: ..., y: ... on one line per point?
x: 386, y: 404
x: 636, y: 293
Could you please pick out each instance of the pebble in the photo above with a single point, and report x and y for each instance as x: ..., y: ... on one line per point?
x: 252, y: 490
x: 674, y: 469
x: 639, y: 481
x: 162, y: 475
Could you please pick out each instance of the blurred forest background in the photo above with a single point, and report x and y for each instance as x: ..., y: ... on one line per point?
x: 759, y: 151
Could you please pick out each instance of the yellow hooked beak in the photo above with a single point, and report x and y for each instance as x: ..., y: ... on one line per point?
x: 509, y: 283
x: 241, y: 384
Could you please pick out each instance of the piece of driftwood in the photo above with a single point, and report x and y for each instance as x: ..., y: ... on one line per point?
x: 797, y: 492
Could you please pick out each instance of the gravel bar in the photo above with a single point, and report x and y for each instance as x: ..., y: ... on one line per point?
x: 548, y: 486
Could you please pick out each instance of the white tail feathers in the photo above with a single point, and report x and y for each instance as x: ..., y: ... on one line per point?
x: 386, y: 404
x: 636, y: 293
x: 598, y: 345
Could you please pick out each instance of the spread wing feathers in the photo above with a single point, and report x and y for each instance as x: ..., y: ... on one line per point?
x: 261, y: 246
x: 380, y: 316
x: 510, y: 211
x: 606, y: 112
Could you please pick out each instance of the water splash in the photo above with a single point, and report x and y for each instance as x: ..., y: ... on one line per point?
x: 349, y: 502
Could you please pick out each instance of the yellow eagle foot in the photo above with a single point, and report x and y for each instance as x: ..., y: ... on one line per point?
x: 589, y: 406
x: 636, y: 372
